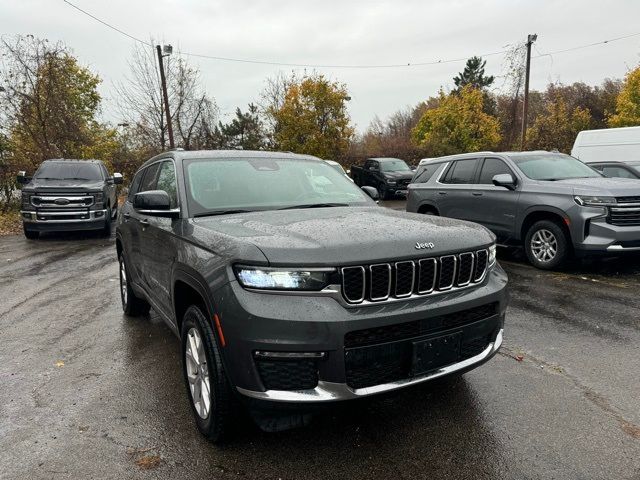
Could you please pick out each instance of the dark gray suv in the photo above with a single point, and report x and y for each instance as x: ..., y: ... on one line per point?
x: 289, y: 288
x: 552, y: 203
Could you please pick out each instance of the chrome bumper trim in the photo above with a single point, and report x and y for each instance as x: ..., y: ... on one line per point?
x: 331, y: 392
x: 620, y: 248
x: 34, y: 219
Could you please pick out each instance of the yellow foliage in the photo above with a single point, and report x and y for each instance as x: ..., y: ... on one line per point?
x: 628, y: 102
x: 457, y: 125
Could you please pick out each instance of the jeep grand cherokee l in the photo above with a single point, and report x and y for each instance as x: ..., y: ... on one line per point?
x: 552, y: 203
x: 69, y: 195
x: 289, y: 288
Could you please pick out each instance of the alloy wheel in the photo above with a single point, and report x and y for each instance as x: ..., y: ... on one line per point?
x: 544, y: 245
x: 198, y: 373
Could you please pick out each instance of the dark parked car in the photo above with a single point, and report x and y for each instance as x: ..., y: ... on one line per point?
x: 289, y: 288
x: 552, y: 203
x: 617, y: 169
x: 69, y: 195
x: 390, y: 176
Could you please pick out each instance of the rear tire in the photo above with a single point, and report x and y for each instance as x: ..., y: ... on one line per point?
x: 382, y: 192
x: 31, y: 234
x: 208, y: 389
x: 131, y: 304
x: 547, y: 245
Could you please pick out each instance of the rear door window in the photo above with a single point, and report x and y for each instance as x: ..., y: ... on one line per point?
x: 490, y: 168
x: 461, y: 172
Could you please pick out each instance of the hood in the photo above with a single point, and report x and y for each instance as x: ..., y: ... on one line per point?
x: 64, y: 185
x: 408, y: 175
x: 343, y: 235
x: 614, y: 187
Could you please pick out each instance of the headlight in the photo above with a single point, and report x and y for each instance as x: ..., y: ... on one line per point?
x: 589, y: 201
x: 492, y: 254
x: 98, y: 196
x: 282, y: 278
x: 26, y: 198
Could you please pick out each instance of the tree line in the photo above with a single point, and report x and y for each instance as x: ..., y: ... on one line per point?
x: 50, y: 107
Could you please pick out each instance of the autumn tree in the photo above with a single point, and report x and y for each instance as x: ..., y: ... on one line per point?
x: 50, y: 105
x: 457, y: 125
x: 557, y: 127
x: 193, y: 111
x: 310, y: 117
x: 628, y: 102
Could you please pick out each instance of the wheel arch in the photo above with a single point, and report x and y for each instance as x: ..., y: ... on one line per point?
x: 547, y: 213
x: 189, y: 288
x: 426, y: 206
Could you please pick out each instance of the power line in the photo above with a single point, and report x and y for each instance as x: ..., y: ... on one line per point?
x: 346, y: 66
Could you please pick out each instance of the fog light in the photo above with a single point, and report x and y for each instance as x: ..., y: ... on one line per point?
x: 26, y: 216
x: 99, y: 213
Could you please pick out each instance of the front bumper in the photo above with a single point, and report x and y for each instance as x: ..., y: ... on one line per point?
x: 595, y: 235
x: 257, y: 322
x: 51, y: 221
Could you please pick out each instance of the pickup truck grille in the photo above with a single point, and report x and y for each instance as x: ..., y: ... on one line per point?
x: 382, y: 281
x: 626, y: 213
x: 61, y: 201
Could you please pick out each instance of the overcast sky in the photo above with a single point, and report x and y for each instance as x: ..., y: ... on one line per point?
x: 340, y: 32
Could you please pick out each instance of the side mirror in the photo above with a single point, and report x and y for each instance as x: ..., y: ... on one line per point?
x: 22, y: 178
x: 154, y: 202
x: 372, y: 192
x: 117, y: 179
x: 505, y: 180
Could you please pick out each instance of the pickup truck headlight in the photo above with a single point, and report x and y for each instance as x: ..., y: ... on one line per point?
x: 26, y: 199
x: 282, y: 278
x: 591, y: 201
x: 492, y: 255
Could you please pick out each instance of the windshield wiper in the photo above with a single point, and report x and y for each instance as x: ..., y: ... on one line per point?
x: 221, y: 212
x: 315, y: 205
x: 75, y: 178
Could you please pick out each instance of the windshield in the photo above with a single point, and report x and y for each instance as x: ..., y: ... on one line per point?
x: 217, y: 186
x: 69, y: 171
x: 546, y: 166
x: 395, y: 165
x: 337, y: 167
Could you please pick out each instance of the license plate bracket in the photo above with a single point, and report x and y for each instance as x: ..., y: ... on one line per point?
x: 436, y: 352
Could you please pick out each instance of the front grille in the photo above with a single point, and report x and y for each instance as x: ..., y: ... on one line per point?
x: 288, y: 374
x: 624, y: 216
x: 406, y: 330
x: 628, y: 199
x: 62, y: 201
x: 404, y: 183
x: 379, y: 282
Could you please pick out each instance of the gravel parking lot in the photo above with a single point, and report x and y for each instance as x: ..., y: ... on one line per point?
x: 86, y: 392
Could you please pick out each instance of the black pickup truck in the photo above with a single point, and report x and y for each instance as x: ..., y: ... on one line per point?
x: 68, y: 195
x: 390, y: 176
x: 290, y: 289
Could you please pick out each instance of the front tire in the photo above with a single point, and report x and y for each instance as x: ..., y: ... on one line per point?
x: 31, y: 234
x: 131, y: 304
x: 106, y: 230
x: 547, y: 245
x: 208, y: 390
x: 382, y: 192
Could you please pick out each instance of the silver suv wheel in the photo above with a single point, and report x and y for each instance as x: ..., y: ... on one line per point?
x: 544, y: 245
x: 198, y: 373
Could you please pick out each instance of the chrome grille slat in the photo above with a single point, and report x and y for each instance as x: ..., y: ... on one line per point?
x: 380, y: 282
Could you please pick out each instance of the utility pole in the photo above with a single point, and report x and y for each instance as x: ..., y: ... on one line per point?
x: 525, y: 110
x: 168, y: 49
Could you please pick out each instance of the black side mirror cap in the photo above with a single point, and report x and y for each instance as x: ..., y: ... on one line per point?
x: 372, y: 192
x: 155, y: 203
x: 117, y: 179
x: 505, y: 180
x: 22, y: 178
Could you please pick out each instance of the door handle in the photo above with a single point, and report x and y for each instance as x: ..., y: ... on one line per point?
x: 144, y: 222
x: 477, y: 194
x: 442, y: 193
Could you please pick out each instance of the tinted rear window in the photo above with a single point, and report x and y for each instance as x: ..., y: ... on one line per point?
x: 461, y: 172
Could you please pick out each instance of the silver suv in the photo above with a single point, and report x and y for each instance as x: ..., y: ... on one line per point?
x: 551, y: 203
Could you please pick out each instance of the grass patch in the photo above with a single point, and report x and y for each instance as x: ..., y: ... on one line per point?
x: 10, y: 222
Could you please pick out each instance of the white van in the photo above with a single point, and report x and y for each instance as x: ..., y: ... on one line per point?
x: 608, y: 144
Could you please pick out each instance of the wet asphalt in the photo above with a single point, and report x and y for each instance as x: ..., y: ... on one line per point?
x: 86, y: 392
